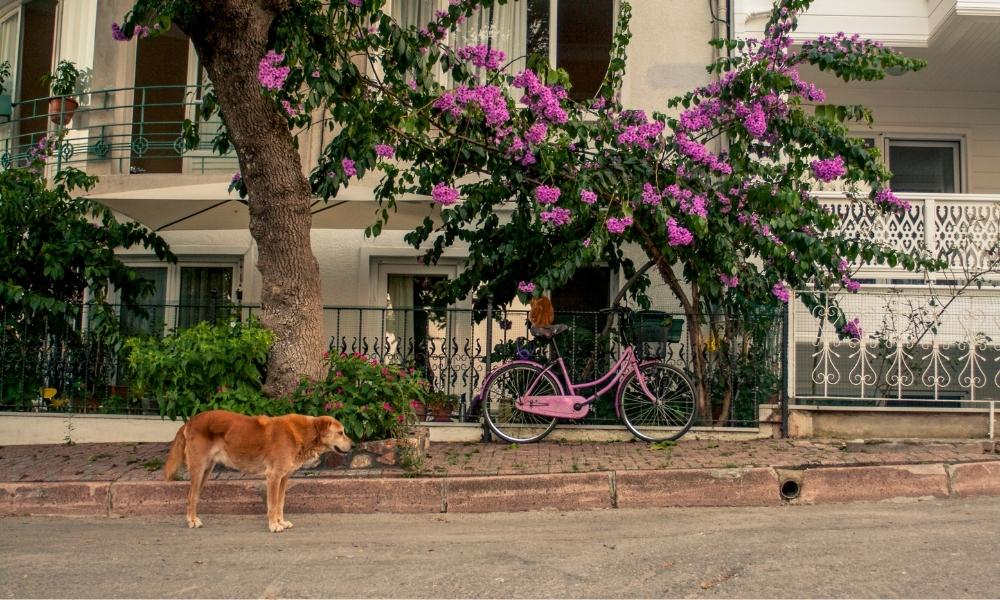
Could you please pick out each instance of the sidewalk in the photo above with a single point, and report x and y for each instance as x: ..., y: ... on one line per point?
x: 128, y: 478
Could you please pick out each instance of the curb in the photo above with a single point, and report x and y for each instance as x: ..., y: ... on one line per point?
x: 513, y: 493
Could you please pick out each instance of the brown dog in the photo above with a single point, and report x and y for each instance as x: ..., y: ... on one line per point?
x: 273, y: 447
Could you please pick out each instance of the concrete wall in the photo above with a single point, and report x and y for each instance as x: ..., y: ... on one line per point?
x: 867, y: 423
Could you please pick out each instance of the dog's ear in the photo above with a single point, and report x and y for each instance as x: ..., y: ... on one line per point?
x: 323, y: 424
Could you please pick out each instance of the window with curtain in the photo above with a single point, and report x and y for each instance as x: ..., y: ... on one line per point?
x: 507, y: 31
x: 9, y: 30
x: 204, y: 292
x: 147, y: 316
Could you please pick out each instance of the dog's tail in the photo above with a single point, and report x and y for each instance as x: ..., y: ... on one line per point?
x: 176, y: 455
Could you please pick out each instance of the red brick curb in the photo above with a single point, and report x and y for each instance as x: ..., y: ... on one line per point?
x: 57, y: 498
x: 697, y: 487
x: 511, y: 493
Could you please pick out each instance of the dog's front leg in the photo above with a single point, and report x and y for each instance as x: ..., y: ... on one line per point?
x: 282, y: 487
x: 273, y: 496
x: 198, y: 473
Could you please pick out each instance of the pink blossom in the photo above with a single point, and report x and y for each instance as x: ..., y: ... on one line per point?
x: 386, y: 406
x: 444, y: 194
x: 618, y: 226
x: 588, y: 197
x: 385, y: 150
x: 756, y: 121
x: 557, y: 217
x: 525, y: 287
x: 650, y: 195
x: 780, y: 291
x: 117, y: 34
x: 483, y: 56
x: 536, y: 133
x: 269, y: 74
x: 885, y: 197
x: 828, y: 169
x: 546, y: 194
x: 730, y: 281
x: 677, y: 235
x: 348, y: 166
x: 355, y: 3
x: 853, y: 329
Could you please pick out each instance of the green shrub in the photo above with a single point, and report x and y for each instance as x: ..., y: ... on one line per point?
x: 205, y: 367
x: 372, y: 400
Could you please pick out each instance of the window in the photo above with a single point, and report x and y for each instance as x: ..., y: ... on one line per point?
x: 9, y: 33
x: 148, y: 315
x: 582, y: 44
x: 183, y: 295
x: 204, y: 290
x: 578, y: 39
x: 589, y: 290
x: 411, y: 330
x: 924, y: 166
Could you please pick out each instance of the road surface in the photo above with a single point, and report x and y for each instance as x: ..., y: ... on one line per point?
x: 917, y: 549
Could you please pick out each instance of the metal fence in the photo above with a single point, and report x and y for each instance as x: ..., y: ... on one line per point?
x: 454, y: 348
x: 916, y: 348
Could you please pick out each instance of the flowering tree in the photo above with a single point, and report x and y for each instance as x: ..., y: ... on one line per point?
x: 534, y: 184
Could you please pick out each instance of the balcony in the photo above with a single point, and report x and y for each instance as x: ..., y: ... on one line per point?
x: 963, y: 228
x: 119, y: 131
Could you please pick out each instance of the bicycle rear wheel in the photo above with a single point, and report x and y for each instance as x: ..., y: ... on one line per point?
x: 509, y: 383
x: 663, y: 409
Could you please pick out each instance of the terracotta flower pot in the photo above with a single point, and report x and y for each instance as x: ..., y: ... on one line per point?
x: 442, y: 414
x: 61, y: 110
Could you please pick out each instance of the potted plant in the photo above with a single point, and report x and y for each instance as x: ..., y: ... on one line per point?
x: 62, y: 85
x: 441, y: 405
x: 5, y: 102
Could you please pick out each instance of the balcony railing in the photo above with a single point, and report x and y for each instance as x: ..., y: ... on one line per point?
x: 964, y: 228
x: 118, y: 131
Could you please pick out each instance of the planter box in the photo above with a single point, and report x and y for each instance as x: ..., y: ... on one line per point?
x: 378, y: 454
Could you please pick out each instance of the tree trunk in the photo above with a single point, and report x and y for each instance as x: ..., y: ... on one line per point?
x: 230, y: 37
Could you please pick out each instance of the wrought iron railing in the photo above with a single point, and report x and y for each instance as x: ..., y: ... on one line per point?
x: 963, y: 228
x: 916, y: 349
x: 130, y: 130
x: 453, y: 348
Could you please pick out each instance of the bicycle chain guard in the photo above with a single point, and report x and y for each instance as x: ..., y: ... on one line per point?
x: 561, y: 407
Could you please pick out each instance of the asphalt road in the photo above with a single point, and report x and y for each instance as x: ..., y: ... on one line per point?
x: 917, y: 549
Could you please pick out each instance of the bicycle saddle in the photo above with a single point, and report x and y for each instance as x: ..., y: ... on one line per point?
x: 550, y: 331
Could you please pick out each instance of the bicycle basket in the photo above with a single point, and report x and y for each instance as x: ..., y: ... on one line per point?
x: 656, y: 327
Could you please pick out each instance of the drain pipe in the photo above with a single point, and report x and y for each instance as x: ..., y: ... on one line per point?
x: 790, y: 489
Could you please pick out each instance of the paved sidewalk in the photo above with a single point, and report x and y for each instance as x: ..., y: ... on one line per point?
x: 127, y: 479
x: 143, y: 462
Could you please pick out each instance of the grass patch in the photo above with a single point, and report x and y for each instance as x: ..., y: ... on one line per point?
x: 153, y: 464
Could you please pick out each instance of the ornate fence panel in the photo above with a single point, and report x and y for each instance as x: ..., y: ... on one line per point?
x: 916, y: 349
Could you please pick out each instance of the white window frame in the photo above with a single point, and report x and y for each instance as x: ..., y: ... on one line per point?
x: 939, y: 142
x: 173, y: 279
x: 885, y: 139
x: 383, y: 267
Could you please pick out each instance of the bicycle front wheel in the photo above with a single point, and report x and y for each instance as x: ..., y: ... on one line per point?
x: 509, y: 383
x: 660, y: 406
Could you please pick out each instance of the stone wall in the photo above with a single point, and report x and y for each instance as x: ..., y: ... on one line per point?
x: 380, y: 454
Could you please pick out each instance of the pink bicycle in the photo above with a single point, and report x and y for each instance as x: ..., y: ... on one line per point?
x: 522, y: 400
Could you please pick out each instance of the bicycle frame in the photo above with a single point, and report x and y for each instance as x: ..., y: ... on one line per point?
x: 628, y: 361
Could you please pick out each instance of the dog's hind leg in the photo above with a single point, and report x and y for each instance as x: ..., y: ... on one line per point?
x: 282, y: 487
